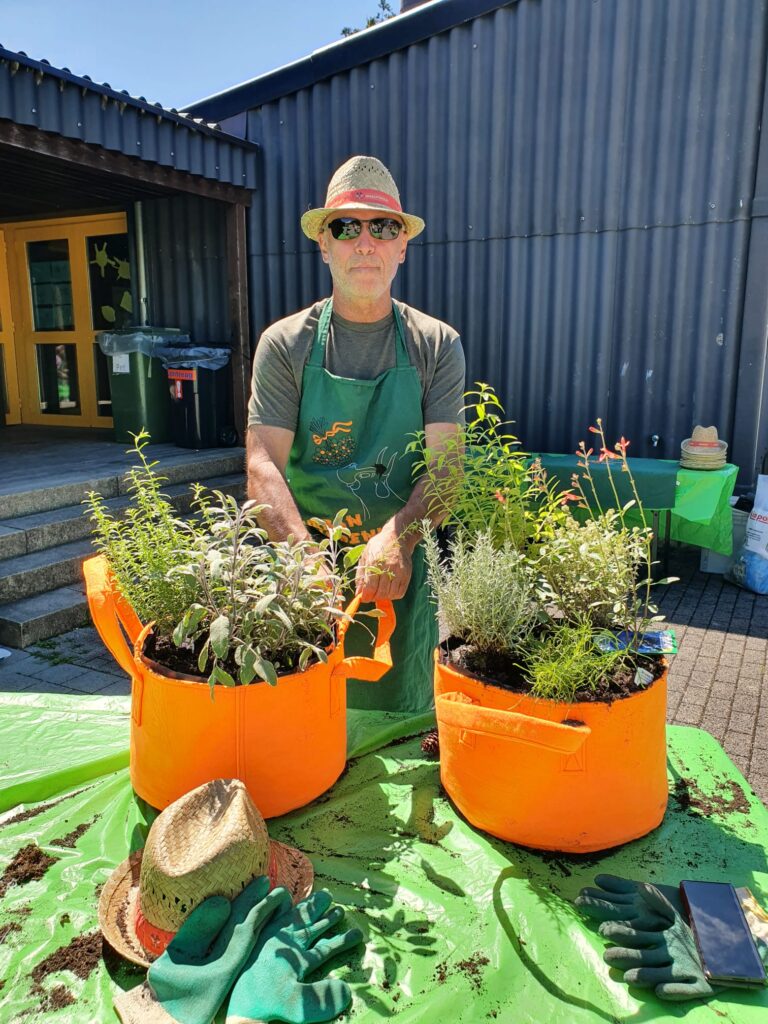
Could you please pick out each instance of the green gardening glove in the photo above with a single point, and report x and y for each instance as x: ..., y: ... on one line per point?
x: 273, y: 984
x: 188, y: 983
x: 663, y: 957
x: 621, y: 899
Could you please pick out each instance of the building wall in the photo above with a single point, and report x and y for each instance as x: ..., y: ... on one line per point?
x: 587, y: 172
x: 185, y: 247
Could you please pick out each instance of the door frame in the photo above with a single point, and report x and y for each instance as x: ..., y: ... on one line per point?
x: 7, y: 336
x: 75, y: 230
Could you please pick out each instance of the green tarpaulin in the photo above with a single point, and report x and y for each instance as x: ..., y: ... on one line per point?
x: 458, y: 926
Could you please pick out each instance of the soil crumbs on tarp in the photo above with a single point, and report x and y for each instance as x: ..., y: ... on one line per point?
x: 6, y: 929
x: 29, y: 864
x: 690, y: 799
x: 33, y: 812
x: 472, y: 967
x: 68, y: 841
x: 81, y: 956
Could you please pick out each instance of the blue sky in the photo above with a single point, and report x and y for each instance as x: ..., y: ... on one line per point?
x: 175, y: 52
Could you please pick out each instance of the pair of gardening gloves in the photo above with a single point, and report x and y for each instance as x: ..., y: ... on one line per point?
x: 653, y: 945
x: 259, y: 943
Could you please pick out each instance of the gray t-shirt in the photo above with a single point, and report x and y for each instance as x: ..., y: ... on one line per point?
x: 358, y: 351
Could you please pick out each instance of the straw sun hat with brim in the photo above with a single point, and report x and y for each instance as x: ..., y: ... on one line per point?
x: 210, y: 842
x: 362, y: 183
x: 703, y: 450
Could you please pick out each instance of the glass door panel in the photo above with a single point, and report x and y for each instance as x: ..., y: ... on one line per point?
x: 109, y: 274
x: 50, y: 278
x: 58, y: 389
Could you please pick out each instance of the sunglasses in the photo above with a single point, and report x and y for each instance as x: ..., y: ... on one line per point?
x: 383, y: 228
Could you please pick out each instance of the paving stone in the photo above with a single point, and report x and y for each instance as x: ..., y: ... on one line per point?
x: 717, y: 727
x: 741, y: 723
x: 91, y: 681
x: 717, y: 707
x: 61, y: 673
x: 48, y: 686
x: 759, y: 785
x: 689, y: 715
x: 13, y: 682
x: 117, y: 688
x: 737, y: 743
x: 759, y: 762
x: 696, y: 695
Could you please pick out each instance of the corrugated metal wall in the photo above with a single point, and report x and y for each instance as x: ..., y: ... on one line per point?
x: 185, y: 246
x: 586, y: 171
x: 34, y: 93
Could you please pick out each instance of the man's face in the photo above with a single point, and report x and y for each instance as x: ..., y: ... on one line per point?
x: 362, y: 268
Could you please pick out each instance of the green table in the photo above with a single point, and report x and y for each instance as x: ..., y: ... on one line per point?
x: 458, y: 926
x: 696, y: 501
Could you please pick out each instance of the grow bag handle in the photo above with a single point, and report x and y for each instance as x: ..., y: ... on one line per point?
x: 112, y: 616
x: 455, y: 709
x: 369, y: 669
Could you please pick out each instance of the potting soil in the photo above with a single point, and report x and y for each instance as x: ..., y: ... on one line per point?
x: 458, y: 926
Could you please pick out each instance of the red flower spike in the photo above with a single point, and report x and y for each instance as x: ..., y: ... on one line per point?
x: 500, y: 497
x: 594, y: 430
x: 622, y: 445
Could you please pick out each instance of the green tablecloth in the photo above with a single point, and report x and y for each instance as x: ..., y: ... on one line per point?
x: 654, y: 479
x: 458, y: 926
x: 698, y: 499
x: 702, y: 513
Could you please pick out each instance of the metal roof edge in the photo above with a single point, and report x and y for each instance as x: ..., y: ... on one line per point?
x: 66, y: 77
x: 395, y: 34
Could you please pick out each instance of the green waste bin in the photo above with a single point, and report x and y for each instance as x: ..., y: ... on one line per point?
x: 140, y: 397
x: 137, y: 378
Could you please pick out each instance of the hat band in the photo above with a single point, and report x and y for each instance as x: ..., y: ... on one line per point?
x: 155, y: 940
x: 364, y: 195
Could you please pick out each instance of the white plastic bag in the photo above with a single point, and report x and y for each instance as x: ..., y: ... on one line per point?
x: 750, y: 569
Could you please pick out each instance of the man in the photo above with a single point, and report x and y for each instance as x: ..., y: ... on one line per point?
x: 337, y: 392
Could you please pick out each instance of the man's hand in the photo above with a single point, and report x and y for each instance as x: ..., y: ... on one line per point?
x: 385, y: 566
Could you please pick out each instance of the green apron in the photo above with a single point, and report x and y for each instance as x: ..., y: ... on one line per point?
x: 349, y: 452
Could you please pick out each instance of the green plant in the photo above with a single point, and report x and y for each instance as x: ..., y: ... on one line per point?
x: 144, y: 545
x: 482, y: 482
x: 262, y: 607
x: 588, y: 571
x: 485, y: 594
x: 566, y: 660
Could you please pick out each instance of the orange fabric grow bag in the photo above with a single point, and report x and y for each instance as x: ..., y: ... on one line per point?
x: 287, y: 743
x: 514, y: 770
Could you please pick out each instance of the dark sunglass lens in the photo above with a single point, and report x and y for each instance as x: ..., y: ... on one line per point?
x: 344, y: 228
x: 385, y: 228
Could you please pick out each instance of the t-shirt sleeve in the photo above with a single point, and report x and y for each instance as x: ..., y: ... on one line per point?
x: 275, y: 394
x: 444, y: 399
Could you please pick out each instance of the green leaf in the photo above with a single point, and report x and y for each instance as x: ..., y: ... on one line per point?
x: 202, y: 658
x: 264, y: 603
x: 352, y: 555
x: 220, y: 636
x: 265, y: 670
x: 219, y: 675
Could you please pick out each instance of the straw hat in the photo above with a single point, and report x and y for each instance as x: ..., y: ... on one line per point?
x: 210, y: 842
x: 703, y: 450
x: 362, y: 183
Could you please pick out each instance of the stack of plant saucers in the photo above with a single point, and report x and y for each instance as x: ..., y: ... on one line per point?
x: 703, y: 450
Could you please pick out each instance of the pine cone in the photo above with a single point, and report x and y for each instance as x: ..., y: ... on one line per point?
x: 430, y: 745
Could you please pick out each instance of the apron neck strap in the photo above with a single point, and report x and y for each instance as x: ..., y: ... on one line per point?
x: 317, y: 355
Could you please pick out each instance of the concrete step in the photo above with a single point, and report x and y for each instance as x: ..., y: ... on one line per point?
x: 178, y: 466
x: 41, y: 530
x: 35, y: 618
x: 39, y: 571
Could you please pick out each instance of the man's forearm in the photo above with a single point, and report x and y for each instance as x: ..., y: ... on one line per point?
x: 280, y: 518
x: 406, y: 523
